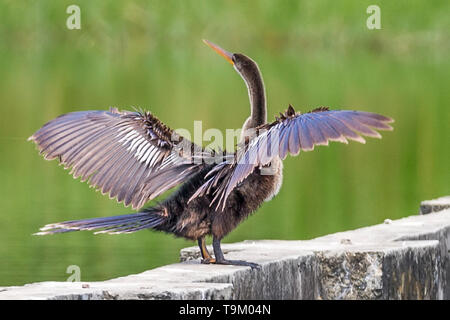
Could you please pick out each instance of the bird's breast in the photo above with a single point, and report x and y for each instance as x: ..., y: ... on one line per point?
x: 276, y: 171
x: 262, y: 185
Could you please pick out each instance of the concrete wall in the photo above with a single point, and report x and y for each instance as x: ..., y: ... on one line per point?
x: 402, y: 259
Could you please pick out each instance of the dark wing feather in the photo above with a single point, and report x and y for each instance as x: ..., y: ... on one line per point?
x: 292, y: 133
x: 131, y: 156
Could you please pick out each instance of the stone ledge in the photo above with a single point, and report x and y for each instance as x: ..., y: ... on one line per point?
x: 402, y: 259
x: 435, y: 205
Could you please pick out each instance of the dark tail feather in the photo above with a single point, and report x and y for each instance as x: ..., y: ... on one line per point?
x: 113, y: 225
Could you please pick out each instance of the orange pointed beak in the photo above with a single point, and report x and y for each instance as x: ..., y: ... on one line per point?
x: 224, y: 53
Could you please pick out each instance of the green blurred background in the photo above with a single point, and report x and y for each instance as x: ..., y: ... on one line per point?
x: 149, y: 54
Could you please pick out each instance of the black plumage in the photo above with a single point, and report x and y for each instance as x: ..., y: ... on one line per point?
x: 133, y: 157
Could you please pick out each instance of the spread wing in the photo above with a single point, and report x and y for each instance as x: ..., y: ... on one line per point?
x: 132, y: 156
x: 291, y: 133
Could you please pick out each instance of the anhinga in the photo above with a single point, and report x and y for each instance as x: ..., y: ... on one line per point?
x: 134, y: 157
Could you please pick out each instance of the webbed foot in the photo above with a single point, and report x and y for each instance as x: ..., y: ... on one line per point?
x: 239, y: 263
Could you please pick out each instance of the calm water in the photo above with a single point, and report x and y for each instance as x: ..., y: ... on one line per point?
x: 132, y: 53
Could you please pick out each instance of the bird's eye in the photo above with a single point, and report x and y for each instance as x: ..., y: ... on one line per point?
x: 233, y: 58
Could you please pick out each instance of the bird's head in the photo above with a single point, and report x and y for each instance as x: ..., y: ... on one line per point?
x: 245, y: 66
x: 249, y: 71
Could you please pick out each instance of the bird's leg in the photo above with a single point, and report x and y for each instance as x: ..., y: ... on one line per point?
x: 205, y: 254
x: 220, y: 259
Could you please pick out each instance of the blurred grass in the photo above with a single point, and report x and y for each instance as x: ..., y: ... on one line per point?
x: 136, y: 53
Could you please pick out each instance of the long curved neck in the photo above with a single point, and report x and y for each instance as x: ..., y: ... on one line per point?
x: 257, y: 96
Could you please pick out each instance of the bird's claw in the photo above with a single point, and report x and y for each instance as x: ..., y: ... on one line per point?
x: 231, y: 262
x: 208, y: 261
